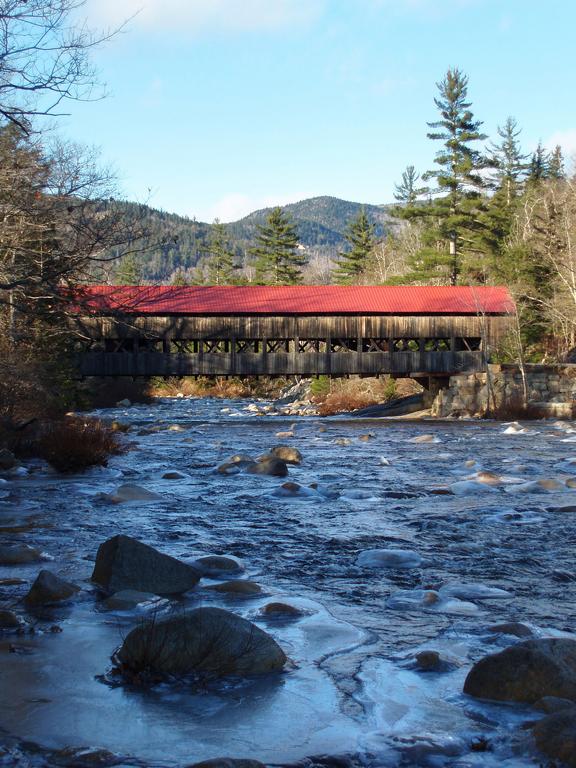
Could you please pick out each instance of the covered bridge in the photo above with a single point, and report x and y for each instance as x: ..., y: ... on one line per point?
x: 416, y: 331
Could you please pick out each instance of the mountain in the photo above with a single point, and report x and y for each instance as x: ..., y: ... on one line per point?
x: 179, y: 244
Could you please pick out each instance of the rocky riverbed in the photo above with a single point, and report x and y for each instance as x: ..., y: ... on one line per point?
x: 386, y: 563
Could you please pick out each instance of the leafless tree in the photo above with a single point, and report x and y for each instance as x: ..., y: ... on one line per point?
x: 45, y: 61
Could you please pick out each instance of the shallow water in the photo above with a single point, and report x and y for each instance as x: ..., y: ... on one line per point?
x: 353, y: 688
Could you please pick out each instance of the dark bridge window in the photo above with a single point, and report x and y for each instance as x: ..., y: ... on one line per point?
x: 375, y: 345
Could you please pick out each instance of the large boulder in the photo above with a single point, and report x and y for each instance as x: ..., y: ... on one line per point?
x: 49, y: 589
x: 526, y: 672
x: 268, y: 465
x: 287, y: 453
x: 207, y: 641
x: 555, y: 736
x: 126, y: 563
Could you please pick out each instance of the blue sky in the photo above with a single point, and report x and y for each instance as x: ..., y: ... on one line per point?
x: 219, y: 107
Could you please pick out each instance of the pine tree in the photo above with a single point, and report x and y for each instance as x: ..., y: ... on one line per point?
x: 129, y: 272
x: 539, y: 165
x: 407, y: 191
x: 556, y: 164
x: 221, y: 266
x: 179, y: 278
x: 277, y: 260
x: 361, y: 238
x: 508, y: 161
x: 500, y: 211
x: 458, y: 177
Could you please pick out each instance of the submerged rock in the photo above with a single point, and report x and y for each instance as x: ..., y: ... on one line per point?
x: 49, y: 589
x: 465, y: 487
x: 126, y: 563
x: 288, y: 454
x: 475, y: 592
x: 216, y: 565
x: 238, y: 587
x: 7, y: 459
x: 270, y: 465
x: 207, y: 641
x: 389, y: 558
x: 552, y: 704
x: 555, y: 736
x: 173, y: 476
x: 129, y: 599
x: 424, y: 439
x: 526, y: 672
x: 129, y: 492
x: 9, y: 620
x: 288, y: 490
x: 19, y: 554
x: 283, y: 610
x: 515, y: 628
x: 227, y: 762
x: 428, y: 661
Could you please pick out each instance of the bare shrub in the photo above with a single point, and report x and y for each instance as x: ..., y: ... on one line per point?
x: 69, y: 445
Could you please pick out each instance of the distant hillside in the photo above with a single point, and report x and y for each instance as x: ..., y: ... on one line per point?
x: 321, y: 222
x: 179, y: 244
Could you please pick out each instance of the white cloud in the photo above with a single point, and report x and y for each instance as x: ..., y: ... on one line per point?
x: 191, y: 16
x: 566, y: 139
x: 235, y: 206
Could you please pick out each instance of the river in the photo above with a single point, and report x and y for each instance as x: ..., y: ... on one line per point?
x: 353, y: 689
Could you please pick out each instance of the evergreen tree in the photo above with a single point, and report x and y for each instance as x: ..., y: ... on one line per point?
x: 556, y: 164
x: 221, y: 266
x: 179, y: 278
x: 129, y: 272
x: 508, y: 160
x: 539, y: 165
x: 407, y: 191
x: 352, y: 263
x: 455, y: 210
x: 277, y: 260
x: 500, y: 210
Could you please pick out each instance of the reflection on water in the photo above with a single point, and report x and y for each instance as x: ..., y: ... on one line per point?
x: 353, y: 687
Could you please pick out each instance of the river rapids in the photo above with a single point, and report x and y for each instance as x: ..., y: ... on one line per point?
x: 353, y: 694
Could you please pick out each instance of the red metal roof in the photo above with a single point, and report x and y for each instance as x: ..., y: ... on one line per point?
x: 295, y: 300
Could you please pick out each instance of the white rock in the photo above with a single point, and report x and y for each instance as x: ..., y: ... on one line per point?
x: 424, y: 439
x: 466, y: 487
x: 389, y: 558
x: 474, y: 592
x: 429, y: 600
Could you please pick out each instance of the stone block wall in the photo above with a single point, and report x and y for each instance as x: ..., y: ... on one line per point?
x: 551, y: 393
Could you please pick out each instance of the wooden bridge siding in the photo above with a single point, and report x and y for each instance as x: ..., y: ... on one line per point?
x: 304, y: 364
x: 304, y: 327
x: 310, y: 363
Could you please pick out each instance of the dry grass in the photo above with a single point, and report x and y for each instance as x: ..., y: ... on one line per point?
x: 346, y: 395
x: 341, y: 402
x: 217, y: 387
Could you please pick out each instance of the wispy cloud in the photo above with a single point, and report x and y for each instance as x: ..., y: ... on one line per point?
x: 192, y: 16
